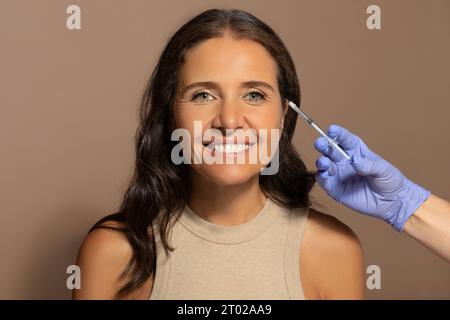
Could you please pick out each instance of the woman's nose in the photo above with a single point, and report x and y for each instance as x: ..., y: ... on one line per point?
x: 229, y: 116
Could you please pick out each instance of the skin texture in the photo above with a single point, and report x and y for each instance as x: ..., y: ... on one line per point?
x: 331, y: 261
x: 430, y: 225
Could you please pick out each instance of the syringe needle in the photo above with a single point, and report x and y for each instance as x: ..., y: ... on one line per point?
x: 323, y: 134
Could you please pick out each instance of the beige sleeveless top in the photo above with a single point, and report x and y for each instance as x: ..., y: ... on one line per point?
x: 259, y: 259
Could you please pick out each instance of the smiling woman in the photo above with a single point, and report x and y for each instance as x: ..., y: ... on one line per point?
x: 220, y: 231
x: 235, y: 74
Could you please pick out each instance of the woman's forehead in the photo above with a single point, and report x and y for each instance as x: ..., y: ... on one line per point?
x: 225, y: 58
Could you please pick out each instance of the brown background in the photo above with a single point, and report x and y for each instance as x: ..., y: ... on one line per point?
x: 69, y: 102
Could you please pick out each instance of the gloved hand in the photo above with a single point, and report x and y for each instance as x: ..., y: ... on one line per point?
x: 367, y: 183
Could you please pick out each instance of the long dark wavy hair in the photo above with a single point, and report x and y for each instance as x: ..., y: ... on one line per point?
x: 158, y: 187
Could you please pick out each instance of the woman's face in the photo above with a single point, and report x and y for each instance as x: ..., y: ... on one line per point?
x: 238, y: 96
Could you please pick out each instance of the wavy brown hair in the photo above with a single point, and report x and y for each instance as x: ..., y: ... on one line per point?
x: 158, y: 187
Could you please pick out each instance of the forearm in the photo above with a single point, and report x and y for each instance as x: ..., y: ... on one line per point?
x: 430, y: 225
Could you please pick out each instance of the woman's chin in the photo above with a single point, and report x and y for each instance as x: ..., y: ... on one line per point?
x: 231, y: 174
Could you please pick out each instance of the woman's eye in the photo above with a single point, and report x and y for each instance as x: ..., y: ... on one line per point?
x: 201, y: 94
x: 256, y: 94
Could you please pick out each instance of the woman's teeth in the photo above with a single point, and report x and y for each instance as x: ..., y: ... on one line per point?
x: 231, y: 148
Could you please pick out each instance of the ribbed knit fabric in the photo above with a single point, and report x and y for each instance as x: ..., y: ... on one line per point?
x: 259, y: 259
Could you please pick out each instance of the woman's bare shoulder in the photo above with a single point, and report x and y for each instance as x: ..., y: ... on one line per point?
x: 102, y: 257
x: 333, y: 257
x: 325, y: 226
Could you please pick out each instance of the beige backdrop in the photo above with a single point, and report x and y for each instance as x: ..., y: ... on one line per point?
x: 69, y: 102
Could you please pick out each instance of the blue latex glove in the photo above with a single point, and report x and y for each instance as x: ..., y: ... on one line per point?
x: 367, y: 183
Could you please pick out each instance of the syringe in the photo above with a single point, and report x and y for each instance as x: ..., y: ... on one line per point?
x: 332, y: 142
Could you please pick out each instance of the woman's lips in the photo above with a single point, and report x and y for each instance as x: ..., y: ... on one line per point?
x: 231, y: 145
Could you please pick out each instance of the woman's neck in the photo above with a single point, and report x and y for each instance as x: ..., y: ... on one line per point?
x: 226, y: 205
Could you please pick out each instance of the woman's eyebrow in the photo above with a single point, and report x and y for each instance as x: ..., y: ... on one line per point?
x: 212, y: 84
